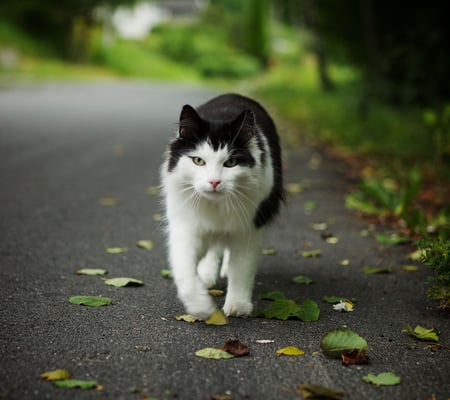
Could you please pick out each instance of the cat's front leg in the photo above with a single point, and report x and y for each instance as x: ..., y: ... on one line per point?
x: 183, y: 253
x: 241, y: 272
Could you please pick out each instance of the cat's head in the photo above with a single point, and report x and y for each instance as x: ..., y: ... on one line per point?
x: 214, y: 158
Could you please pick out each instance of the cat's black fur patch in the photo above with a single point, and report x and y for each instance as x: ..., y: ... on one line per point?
x: 230, y: 121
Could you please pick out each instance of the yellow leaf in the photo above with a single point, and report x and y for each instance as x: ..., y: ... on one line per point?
x: 152, y: 190
x: 216, y: 292
x: 116, y: 250
x: 290, y: 351
x: 108, y: 201
x: 344, y: 262
x: 56, y: 375
x: 217, y: 318
x: 145, y: 244
x: 158, y: 217
x: 187, y: 318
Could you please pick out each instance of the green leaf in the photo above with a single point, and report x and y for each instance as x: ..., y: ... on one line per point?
x: 215, y: 354
x: 309, y: 391
x: 273, y: 295
x: 122, y: 281
x: 166, y: 273
x: 374, y: 270
x: 281, y: 309
x: 336, y: 299
x: 383, y: 379
x: 270, y: 251
x: 390, y: 239
x: 92, y: 271
x: 56, y: 375
x: 310, y: 206
x: 302, y: 280
x: 355, y: 201
x: 75, y: 383
x: 116, y: 250
x: 309, y: 311
x: 341, y: 340
x: 312, y: 253
x: 421, y: 333
x: 90, y: 301
x: 145, y: 244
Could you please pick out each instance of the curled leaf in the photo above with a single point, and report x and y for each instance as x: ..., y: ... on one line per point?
x: 354, y: 357
x: 75, y: 383
x: 145, y: 244
x: 122, y: 281
x: 90, y: 301
x: 187, y: 318
x: 290, y: 351
x: 235, y: 347
x: 421, y: 333
x: 91, y: 271
x: 215, y: 354
x: 309, y: 391
x: 116, y: 250
x: 56, y: 375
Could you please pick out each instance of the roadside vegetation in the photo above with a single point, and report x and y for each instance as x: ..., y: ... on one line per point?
x: 388, y: 118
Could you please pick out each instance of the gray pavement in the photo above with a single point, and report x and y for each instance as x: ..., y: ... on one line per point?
x: 62, y: 148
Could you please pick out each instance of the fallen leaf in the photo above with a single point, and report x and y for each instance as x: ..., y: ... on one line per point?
x: 309, y: 311
x: 290, y: 351
x: 91, y: 271
x: 417, y: 255
x: 116, y: 250
x: 56, y: 375
x: 410, y: 268
x: 270, y: 251
x: 75, y: 383
x: 302, y: 280
x: 235, y: 347
x: 344, y: 262
x: 337, y: 299
x: 108, y: 201
x: 280, y: 309
x: 390, y: 239
x: 123, y: 281
x: 421, y: 333
x: 341, y: 340
x: 157, y: 217
x: 343, y: 306
x: 145, y: 244
x: 312, y: 253
x: 90, y: 301
x: 166, y: 273
x: 294, y: 187
x: 332, y: 240
x: 354, y: 357
x: 217, y: 318
x: 187, y: 318
x: 309, y: 206
x: 374, y: 270
x: 216, y: 292
x: 221, y: 397
x: 383, y: 379
x: 215, y: 354
x: 152, y: 190
x: 309, y: 391
x: 273, y: 295
x: 319, y: 226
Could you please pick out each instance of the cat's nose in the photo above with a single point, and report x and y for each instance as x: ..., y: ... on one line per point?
x: 215, y: 183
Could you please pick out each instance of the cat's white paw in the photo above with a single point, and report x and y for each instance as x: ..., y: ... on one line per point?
x: 200, y: 305
x: 238, y: 308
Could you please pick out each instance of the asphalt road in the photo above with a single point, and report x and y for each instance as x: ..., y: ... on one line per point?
x: 65, y: 146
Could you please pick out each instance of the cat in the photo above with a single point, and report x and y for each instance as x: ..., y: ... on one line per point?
x: 222, y: 185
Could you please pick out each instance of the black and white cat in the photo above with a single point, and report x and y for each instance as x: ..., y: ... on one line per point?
x: 222, y: 184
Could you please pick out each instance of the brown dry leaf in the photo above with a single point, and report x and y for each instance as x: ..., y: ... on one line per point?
x: 235, y: 347
x: 355, y: 357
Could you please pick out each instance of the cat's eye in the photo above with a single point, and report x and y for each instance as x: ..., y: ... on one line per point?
x: 230, y: 163
x: 198, y: 161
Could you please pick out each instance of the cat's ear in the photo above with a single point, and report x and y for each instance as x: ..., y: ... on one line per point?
x: 190, y: 123
x: 245, y: 125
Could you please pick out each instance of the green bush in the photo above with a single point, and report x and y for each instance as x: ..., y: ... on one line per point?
x: 436, y: 256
